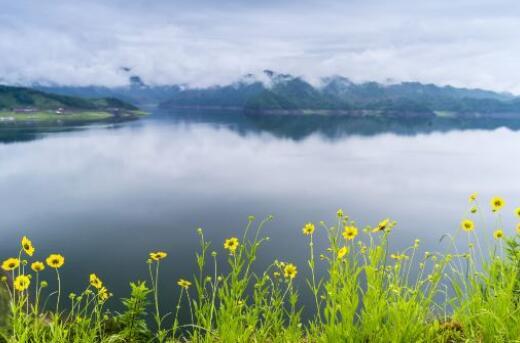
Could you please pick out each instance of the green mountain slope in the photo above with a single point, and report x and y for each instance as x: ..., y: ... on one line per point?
x: 286, y: 94
x: 25, y: 106
x: 16, y: 97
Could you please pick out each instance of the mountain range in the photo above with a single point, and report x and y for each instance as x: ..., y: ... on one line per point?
x: 278, y: 93
x: 136, y: 92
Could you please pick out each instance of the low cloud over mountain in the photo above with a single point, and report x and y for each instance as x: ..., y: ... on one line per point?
x: 201, y: 43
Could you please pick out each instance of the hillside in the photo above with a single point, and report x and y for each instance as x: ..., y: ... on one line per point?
x: 277, y: 93
x: 286, y: 94
x: 136, y: 92
x: 12, y: 97
x: 25, y: 105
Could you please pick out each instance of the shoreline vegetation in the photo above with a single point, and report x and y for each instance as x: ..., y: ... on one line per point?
x: 25, y: 106
x: 50, y: 117
x: 352, y: 113
x: 470, y: 292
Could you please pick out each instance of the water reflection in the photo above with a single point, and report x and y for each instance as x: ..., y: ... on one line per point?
x: 290, y: 127
x: 29, y: 132
x: 104, y: 198
x: 334, y: 127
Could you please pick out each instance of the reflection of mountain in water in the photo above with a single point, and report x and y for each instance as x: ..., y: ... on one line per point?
x: 17, y: 134
x: 25, y: 134
x: 287, y: 127
x: 334, y: 127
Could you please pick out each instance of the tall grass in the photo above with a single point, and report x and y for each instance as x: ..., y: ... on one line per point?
x: 470, y: 292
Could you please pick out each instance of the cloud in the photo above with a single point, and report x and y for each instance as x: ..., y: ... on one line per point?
x: 464, y: 43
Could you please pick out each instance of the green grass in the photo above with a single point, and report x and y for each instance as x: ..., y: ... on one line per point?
x: 7, y: 117
x: 465, y: 292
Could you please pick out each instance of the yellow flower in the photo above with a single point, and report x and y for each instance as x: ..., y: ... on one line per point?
x: 350, y: 232
x: 290, y: 271
x: 231, y: 244
x: 497, y: 203
x: 21, y: 283
x: 103, y: 294
x: 473, y: 197
x: 55, y: 261
x: 473, y: 209
x: 382, y: 226
x: 340, y: 213
x: 342, y: 252
x: 158, y: 255
x: 10, y: 264
x: 467, y: 225
x: 517, y: 211
x: 95, y: 281
x: 37, y: 266
x: 308, y: 229
x: 27, y: 246
x: 184, y: 283
x: 498, y: 234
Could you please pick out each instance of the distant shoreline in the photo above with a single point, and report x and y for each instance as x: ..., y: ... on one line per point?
x: 356, y: 113
x: 305, y: 112
x: 46, y: 118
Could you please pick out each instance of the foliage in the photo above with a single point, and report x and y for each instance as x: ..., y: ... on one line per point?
x: 369, y: 292
x: 19, y: 97
x: 131, y: 324
x: 285, y: 93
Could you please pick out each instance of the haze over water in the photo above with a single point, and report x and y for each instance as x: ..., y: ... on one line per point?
x: 106, y: 195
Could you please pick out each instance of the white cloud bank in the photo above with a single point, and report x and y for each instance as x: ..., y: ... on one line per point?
x: 463, y: 43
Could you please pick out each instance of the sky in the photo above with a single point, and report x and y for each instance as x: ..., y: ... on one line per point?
x: 469, y: 43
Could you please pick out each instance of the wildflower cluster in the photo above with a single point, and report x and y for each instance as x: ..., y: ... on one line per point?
x: 364, y: 289
x: 16, y: 265
x: 25, y: 291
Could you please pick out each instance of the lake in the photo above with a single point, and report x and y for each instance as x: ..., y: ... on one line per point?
x: 105, y: 195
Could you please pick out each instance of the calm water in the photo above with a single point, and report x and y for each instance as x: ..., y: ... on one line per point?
x: 106, y: 195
